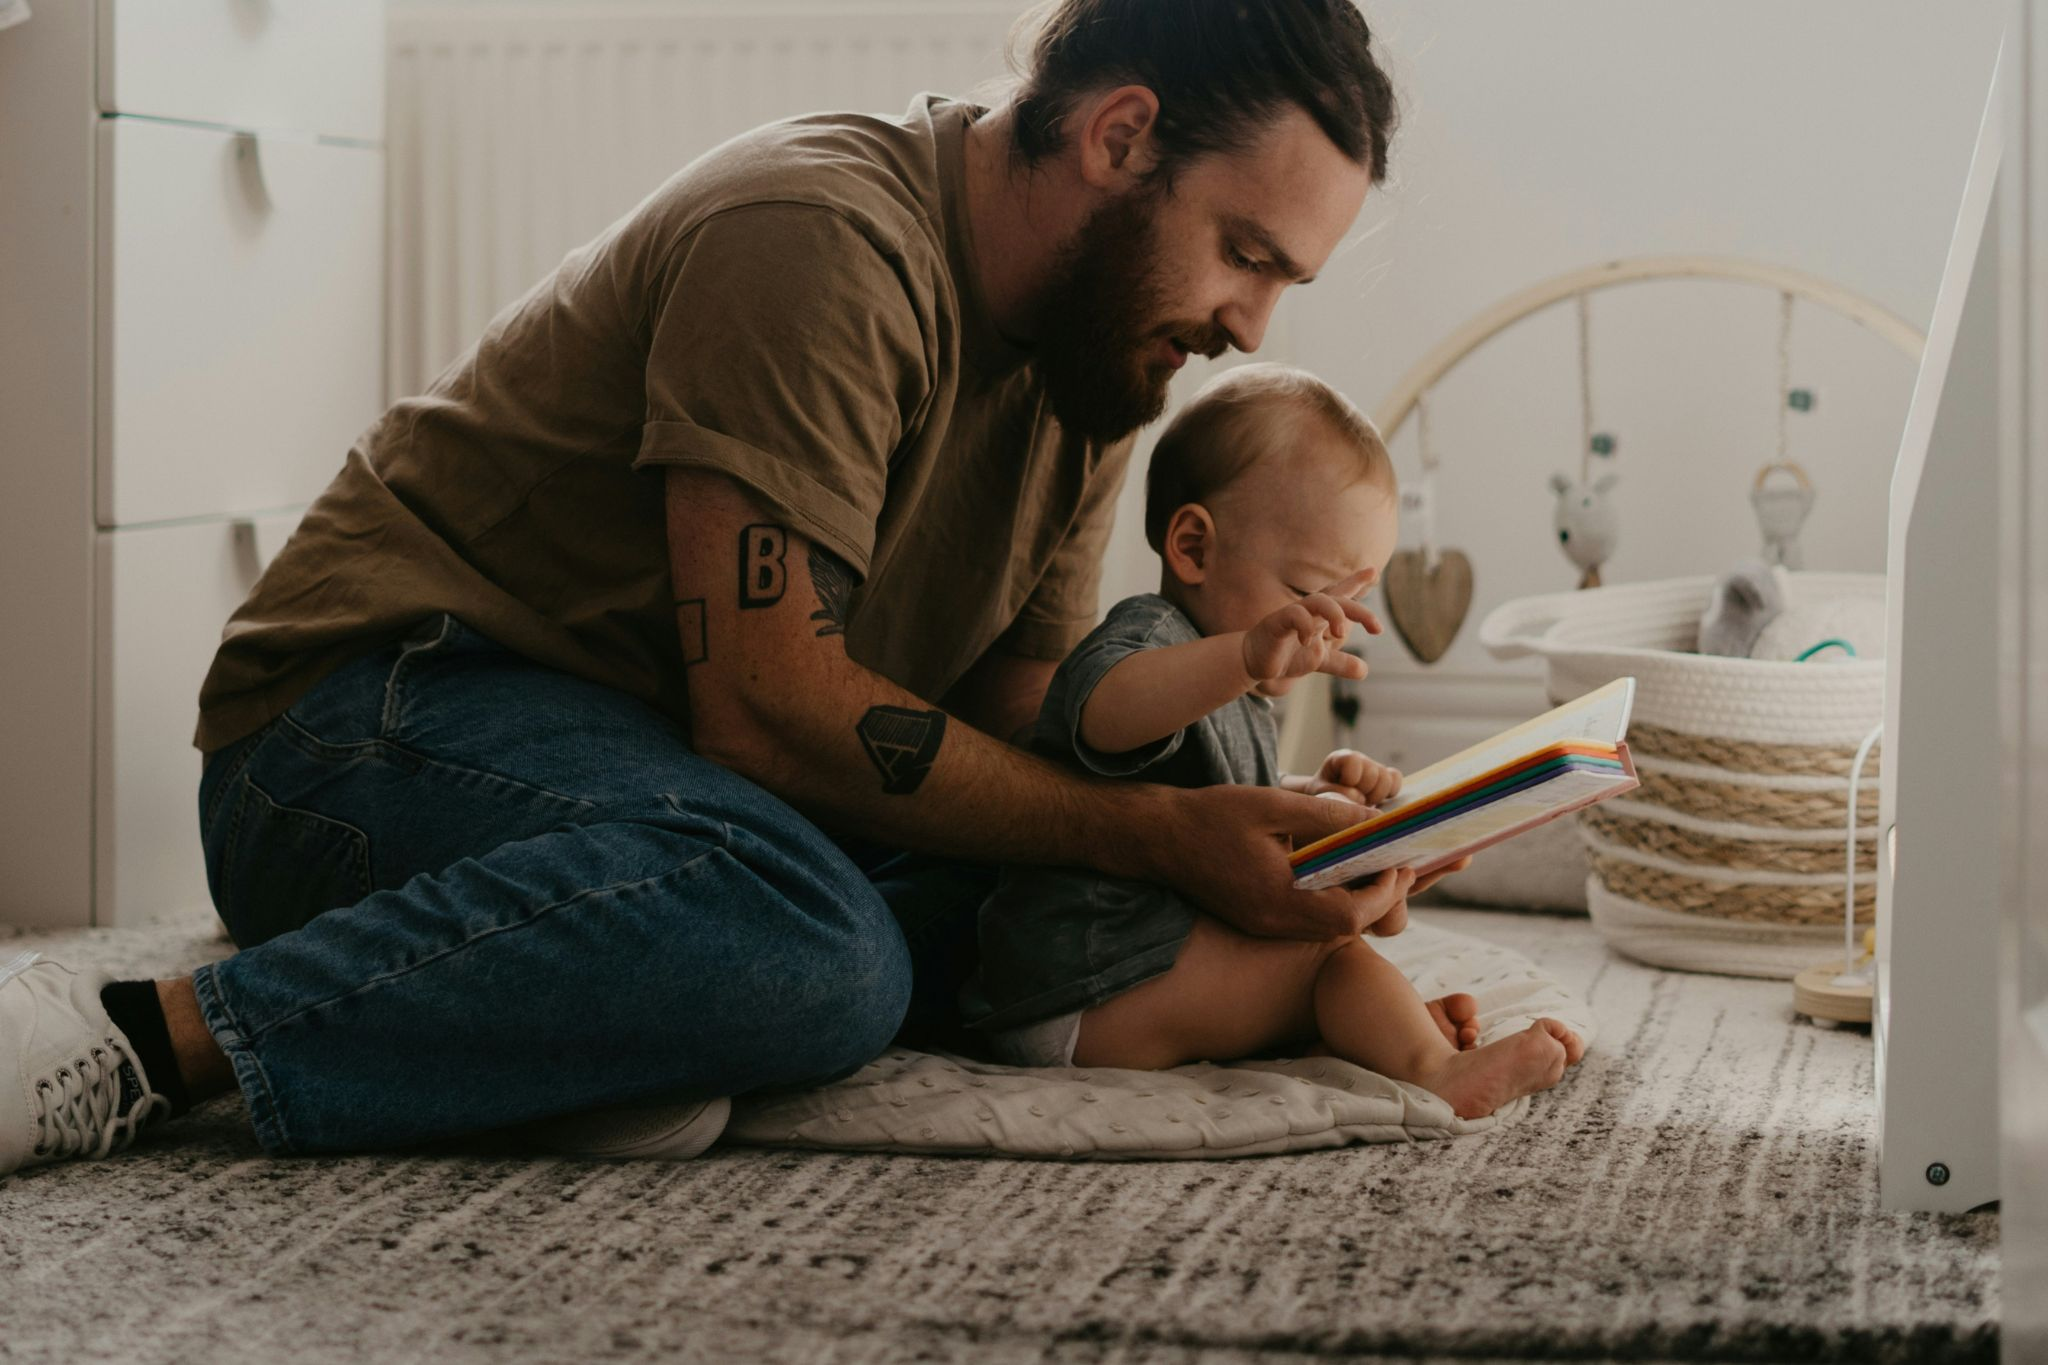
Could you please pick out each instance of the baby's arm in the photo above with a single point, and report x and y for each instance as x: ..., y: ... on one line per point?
x: 1155, y: 692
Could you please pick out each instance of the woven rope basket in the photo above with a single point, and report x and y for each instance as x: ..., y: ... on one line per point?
x: 1730, y: 856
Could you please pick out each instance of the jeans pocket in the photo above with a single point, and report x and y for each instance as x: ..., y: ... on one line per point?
x: 280, y: 866
x: 438, y: 643
x: 216, y: 777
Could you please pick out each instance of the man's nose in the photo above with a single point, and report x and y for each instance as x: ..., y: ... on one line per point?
x: 1246, y: 320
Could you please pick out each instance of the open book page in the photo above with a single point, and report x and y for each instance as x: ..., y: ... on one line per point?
x: 1600, y: 716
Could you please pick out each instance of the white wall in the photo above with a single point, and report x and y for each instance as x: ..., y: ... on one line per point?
x: 1831, y: 136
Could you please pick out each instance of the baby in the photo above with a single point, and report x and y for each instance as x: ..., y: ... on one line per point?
x: 1271, y: 503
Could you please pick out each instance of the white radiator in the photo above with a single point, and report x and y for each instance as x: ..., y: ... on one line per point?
x: 518, y: 132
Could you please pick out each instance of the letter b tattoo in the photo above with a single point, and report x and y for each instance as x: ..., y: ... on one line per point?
x: 763, y: 573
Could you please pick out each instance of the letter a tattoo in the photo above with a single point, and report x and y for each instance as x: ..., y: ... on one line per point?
x: 763, y: 575
x: 902, y: 744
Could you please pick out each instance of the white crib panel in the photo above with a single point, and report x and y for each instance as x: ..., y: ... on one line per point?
x: 1934, y: 1032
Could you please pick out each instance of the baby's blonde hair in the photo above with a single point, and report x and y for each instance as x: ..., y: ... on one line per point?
x: 1231, y: 422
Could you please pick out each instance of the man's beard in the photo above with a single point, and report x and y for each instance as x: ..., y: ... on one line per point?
x: 1098, y: 320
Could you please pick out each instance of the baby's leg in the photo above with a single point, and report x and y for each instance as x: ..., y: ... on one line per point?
x: 1456, y: 1016
x: 1227, y: 995
x: 1230, y: 994
x: 1368, y: 1013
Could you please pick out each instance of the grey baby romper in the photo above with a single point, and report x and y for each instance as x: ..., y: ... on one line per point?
x: 1055, y: 941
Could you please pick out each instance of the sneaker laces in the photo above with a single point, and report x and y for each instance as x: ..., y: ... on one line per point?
x: 77, y: 1106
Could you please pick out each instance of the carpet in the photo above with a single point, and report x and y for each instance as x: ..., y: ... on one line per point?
x: 1702, y: 1188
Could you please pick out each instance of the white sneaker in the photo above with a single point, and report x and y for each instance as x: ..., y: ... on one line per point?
x: 668, y: 1132
x: 70, y: 1084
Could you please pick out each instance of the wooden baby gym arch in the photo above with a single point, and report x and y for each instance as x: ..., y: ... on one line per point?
x: 1429, y: 590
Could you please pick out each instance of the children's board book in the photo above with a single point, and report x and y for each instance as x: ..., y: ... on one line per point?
x: 1524, y: 777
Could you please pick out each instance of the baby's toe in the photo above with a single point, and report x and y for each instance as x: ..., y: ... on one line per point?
x: 1574, y: 1046
x: 1447, y: 1023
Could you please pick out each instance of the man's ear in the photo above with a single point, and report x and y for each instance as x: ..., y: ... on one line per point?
x: 1190, y: 542
x: 1117, y: 137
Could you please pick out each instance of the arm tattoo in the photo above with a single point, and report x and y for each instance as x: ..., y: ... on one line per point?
x: 833, y: 578
x: 690, y: 626
x: 902, y: 744
x: 763, y: 574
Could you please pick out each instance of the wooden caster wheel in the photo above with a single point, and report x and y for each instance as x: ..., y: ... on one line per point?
x: 1817, y: 994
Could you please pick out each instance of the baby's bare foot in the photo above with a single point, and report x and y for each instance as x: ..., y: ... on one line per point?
x: 1478, y: 1082
x: 1457, y: 1016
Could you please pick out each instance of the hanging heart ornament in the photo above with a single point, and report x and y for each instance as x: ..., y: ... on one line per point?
x: 1427, y: 603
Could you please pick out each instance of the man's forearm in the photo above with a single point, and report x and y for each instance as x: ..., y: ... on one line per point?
x: 868, y: 757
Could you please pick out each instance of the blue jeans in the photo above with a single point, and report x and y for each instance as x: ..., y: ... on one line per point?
x: 471, y: 892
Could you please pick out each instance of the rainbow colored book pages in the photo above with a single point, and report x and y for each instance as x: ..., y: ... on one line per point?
x: 1555, y: 764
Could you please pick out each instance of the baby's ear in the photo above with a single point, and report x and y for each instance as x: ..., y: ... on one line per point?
x: 1190, y: 541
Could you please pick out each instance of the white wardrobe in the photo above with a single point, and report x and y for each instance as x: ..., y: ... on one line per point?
x: 191, y: 335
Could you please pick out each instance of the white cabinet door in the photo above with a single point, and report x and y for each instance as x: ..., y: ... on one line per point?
x: 312, y: 65
x: 240, y: 318
x: 164, y: 592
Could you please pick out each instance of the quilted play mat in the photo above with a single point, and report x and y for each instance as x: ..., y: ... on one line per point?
x: 938, y: 1103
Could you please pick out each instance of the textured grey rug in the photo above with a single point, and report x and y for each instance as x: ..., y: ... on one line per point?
x: 1703, y: 1188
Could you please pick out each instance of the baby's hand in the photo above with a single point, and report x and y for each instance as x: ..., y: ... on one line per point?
x: 1307, y: 636
x: 1352, y: 775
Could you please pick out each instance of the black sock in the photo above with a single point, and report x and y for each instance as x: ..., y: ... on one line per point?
x: 138, y: 1013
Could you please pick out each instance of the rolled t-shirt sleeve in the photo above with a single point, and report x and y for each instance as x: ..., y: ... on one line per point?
x: 788, y: 354
x: 1133, y: 625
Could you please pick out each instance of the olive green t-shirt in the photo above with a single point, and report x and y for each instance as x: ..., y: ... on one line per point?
x: 797, y: 311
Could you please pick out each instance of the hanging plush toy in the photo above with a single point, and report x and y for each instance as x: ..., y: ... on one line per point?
x: 1781, y: 509
x: 1587, y: 524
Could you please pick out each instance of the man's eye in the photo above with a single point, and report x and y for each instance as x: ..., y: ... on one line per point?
x: 1298, y: 592
x: 1240, y: 261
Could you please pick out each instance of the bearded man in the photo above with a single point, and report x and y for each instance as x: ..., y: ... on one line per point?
x: 625, y: 727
